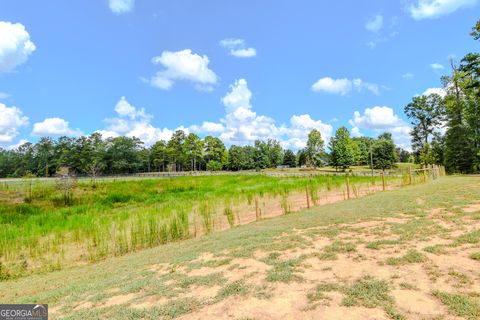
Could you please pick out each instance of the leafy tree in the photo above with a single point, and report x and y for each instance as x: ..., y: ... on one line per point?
x: 214, y: 165
x: 315, y: 148
x: 301, y: 158
x: 403, y: 155
x: 383, y: 152
x: 342, y: 152
x: 476, y: 31
x: 289, y: 159
x: 261, y: 158
x: 426, y: 114
x: 94, y: 161
x: 159, y: 155
x: 176, y: 151
x: 122, y: 154
x: 274, y: 153
x: 194, y: 150
x: 214, y: 149
x: 45, y: 155
x: 362, y: 150
x: 236, y: 158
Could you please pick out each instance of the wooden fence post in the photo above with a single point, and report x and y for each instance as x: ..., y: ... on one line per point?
x: 383, y: 180
x: 257, y: 209
x: 424, y: 168
x: 410, y: 175
x: 306, y: 194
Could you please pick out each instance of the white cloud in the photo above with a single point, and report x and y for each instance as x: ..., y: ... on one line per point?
x: 382, y: 119
x: 343, y: 86
x: 15, y: 45
x: 208, y: 127
x: 242, y: 126
x: 437, y: 66
x: 17, y: 145
x: 356, y: 132
x: 440, y: 91
x: 376, y: 118
x: 183, y: 65
x: 133, y: 122
x: 401, y: 136
x: 54, y: 127
x: 121, y: 6
x: 300, y: 127
x: 238, y: 48
x: 375, y: 24
x: 238, y: 97
x: 11, y: 120
x: 408, y: 76
x: 334, y: 86
x: 430, y: 9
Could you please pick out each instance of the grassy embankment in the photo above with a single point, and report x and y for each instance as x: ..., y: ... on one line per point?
x: 38, y: 233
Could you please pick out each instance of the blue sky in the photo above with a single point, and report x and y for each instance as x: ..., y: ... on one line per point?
x: 240, y: 70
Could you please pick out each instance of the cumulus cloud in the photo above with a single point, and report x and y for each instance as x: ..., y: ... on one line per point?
x: 343, y: 86
x: 133, y: 122
x: 382, y: 119
x: 431, y: 9
x: 376, y: 118
x: 121, y: 6
x: 15, y: 45
x: 17, y: 145
x: 238, y: 48
x: 241, y: 125
x: 440, y: 91
x: 375, y: 24
x: 300, y: 127
x: 208, y: 127
x: 183, y: 65
x: 11, y: 120
x: 54, y: 127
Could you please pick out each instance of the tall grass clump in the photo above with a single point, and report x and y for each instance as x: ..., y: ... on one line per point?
x: 206, y: 213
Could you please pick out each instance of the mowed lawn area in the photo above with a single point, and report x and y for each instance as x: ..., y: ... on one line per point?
x: 410, y: 253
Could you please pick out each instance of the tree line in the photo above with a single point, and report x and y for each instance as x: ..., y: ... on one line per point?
x: 92, y: 155
x: 446, y: 126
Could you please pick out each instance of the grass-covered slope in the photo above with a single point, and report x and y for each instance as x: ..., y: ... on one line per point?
x: 360, y: 258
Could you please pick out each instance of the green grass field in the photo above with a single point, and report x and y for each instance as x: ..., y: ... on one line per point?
x: 39, y: 233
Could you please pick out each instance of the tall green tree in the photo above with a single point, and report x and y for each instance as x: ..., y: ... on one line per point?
x: 214, y: 150
x: 426, y: 115
x: 289, y: 159
x: 342, y: 152
x: 159, y: 155
x: 383, y: 152
x: 194, y: 150
x: 176, y: 150
x: 314, y: 150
